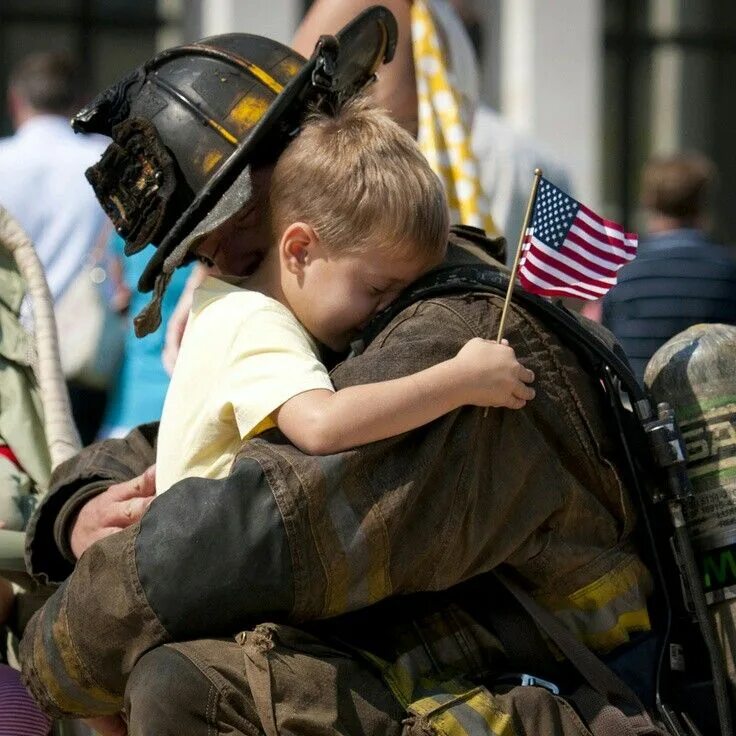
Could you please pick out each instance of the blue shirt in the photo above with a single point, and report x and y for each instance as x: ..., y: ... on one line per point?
x: 138, y: 395
x: 42, y: 185
x: 678, y: 279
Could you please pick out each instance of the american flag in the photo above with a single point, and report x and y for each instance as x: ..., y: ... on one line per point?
x: 569, y: 250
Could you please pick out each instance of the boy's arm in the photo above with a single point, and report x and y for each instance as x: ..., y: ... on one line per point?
x: 483, y: 373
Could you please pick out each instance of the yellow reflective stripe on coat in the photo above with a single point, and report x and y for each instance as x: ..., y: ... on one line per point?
x: 607, y: 611
x: 432, y: 656
x: 453, y: 707
x: 472, y: 713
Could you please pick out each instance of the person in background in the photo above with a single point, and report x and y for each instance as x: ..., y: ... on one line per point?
x: 19, y: 713
x: 137, y: 396
x: 42, y: 184
x: 25, y: 467
x: 507, y: 159
x: 431, y: 91
x: 501, y: 160
x: 680, y: 277
x: 506, y: 156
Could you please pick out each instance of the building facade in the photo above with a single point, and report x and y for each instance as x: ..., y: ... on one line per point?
x: 601, y: 84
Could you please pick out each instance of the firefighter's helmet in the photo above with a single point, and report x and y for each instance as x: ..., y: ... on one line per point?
x: 187, y: 125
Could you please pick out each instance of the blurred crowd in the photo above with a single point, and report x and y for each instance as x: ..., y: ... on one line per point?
x: 681, y: 276
x: 116, y: 381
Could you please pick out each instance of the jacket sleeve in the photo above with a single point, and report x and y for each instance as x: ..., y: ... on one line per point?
x: 219, y: 540
x: 210, y: 557
x: 48, y: 554
x: 289, y: 537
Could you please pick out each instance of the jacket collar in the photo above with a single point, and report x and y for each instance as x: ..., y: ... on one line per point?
x: 682, y: 237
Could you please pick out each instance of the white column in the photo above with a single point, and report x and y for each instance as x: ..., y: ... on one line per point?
x: 666, y: 80
x: 551, y: 79
x: 275, y: 19
x: 490, y: 18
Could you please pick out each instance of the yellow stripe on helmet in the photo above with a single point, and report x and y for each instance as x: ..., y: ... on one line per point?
x: 263, y: 76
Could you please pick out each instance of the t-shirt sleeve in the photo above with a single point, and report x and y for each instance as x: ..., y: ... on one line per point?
x: 272, y: 360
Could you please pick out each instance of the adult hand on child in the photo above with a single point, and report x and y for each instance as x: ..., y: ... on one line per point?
x: 492, y: 376
x: 116, y: 508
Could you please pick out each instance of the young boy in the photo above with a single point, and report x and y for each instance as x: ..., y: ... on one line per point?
x: 356, y: 215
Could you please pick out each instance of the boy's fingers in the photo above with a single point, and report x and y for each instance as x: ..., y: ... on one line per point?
x: 525, y: 374
x: 522, y: 391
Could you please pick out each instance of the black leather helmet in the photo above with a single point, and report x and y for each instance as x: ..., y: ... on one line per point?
x: 187, y: 125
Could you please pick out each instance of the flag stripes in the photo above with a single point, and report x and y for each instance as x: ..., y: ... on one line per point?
x: 569, y: 250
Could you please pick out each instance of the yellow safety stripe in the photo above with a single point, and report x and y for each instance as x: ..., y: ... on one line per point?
x: 626, y: 624
x: 472, y: 713
x: 263, y: 76
x: 626, y: 576
x: 605, y: 612
x: 226, y: 134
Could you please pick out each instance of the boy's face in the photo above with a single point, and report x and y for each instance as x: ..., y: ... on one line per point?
x: 335, y: 297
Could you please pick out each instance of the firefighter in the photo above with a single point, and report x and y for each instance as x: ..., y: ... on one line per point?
x: 354, y: 593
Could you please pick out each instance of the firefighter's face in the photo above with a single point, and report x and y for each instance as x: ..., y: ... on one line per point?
x: 238, y: 245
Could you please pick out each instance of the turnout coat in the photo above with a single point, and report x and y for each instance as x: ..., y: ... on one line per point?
x: 293, y: 539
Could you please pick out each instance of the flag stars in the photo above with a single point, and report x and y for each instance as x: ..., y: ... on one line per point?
x: 553, y: 214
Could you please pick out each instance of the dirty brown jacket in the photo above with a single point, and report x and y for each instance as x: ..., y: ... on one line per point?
x: 292, y: 538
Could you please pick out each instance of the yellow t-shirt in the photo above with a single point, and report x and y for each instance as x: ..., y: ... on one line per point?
x: 242, y: 356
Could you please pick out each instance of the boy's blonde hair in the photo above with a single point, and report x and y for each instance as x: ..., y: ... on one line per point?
x: 359, y: 179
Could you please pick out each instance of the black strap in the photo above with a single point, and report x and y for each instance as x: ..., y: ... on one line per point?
x: 488, y: 601
x: 612, y: 708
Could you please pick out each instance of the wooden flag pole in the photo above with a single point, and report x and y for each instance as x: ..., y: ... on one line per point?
x: 519, y: 249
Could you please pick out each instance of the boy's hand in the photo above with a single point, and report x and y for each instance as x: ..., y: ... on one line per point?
x: 490, y: 375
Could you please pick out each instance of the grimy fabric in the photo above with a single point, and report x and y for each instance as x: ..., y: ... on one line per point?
x: 276, y: 680
x: 292, y: 539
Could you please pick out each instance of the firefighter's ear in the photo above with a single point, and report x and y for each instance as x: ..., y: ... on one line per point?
x: 298, y: 247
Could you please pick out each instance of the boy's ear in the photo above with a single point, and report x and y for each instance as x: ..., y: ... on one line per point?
x: 298, y: 246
